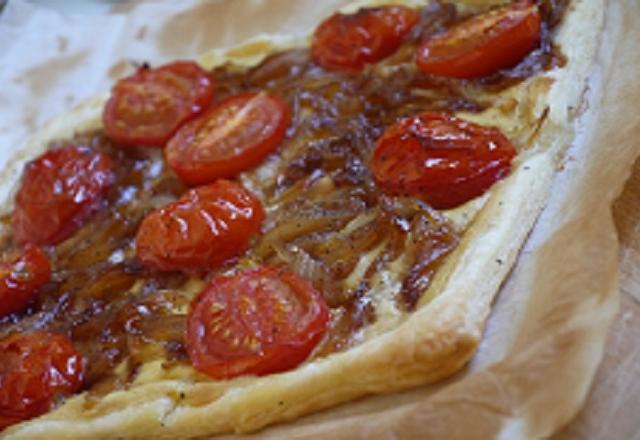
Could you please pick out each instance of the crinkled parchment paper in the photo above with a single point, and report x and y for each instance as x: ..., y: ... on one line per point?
x: 545, y: 337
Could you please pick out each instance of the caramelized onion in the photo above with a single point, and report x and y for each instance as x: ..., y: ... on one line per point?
x: 302, y: 217
x: 428, y: 244
x: 303, y: 264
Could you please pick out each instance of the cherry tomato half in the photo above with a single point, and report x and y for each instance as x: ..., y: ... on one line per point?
x: 256, y: 322
x: 35, y: 369
x: 204, y: 228
x: 483, y: 44
x: 236, y: 134
x: 59, y: 191
x: 441, y: 159
x: 147, y: 107
x: 22, y: 273
x: 349, y: 41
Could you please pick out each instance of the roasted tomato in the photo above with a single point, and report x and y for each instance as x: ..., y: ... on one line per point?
x: 349, y: 41
x: 36, y: 369
x: 204, y: 228
x: 483, y: 44
x: 147, y: 107
x: 234, y: 135
x: 257, y: 322
x: 59, y: 191
x: 442, y: 159
x: 22, y: 273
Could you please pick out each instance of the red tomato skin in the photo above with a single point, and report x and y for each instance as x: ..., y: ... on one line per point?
x: 483, y: 44
x: 198, y: 157
x: 444, y: 160
x: 257, y: 322
x: 59, y: 191
x: 205, y: 228
x: 348, y: 42
x: 22, y: 273
x: 177, y: 92
x: 35, y: 368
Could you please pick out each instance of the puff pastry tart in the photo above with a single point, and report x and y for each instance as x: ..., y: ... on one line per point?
x: 220, y: 245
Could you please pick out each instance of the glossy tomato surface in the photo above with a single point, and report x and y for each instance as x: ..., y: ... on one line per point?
x: 441, y: 159
x: 147, y: 107
x: 350, y: 41
x: 483, y: 44
x: 256, y: 322
x: 35, y: 369
x: 22, y: 273
x: 203, y: 229
x: 59, y: 191
x: 234, y: 135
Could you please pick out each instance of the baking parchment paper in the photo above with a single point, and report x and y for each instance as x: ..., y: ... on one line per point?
x: 545, y: 336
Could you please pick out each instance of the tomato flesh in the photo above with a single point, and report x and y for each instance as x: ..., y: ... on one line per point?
x: 441, y: 159
x: 202, y: 230
x: 350, y: 41
x: 256, y: 322
x: 35, y: 369
x: 148, y: 107
x: 483, y: 44
x: 22, y: 273
x: 236, y: 134
x: 59, y: 191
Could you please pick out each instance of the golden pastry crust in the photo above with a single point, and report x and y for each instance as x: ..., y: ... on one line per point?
x: 429, y: 344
